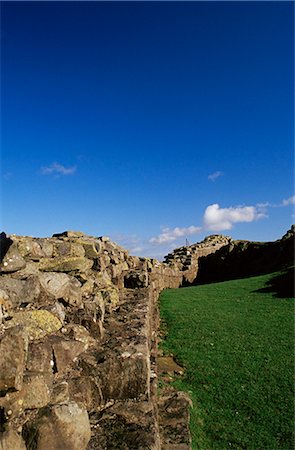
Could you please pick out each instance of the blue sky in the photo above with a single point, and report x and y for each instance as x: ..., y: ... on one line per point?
x: 150, y: 122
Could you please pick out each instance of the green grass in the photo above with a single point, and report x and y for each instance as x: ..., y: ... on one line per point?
x: 237, y: 348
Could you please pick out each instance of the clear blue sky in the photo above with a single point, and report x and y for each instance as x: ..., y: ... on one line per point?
x: 150, y: 122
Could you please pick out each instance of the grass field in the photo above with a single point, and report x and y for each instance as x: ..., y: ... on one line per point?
x: 236, y: 344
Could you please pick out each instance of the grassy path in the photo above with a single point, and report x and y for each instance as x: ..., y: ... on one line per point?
x: 237, y: 346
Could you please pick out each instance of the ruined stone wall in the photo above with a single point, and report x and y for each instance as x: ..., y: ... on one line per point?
x: 78, y: 343
x: 186, y: 259
x: 240, y: 259
x: 78, y: 346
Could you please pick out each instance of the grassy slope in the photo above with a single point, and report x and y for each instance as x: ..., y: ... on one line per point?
x: 237, y: 347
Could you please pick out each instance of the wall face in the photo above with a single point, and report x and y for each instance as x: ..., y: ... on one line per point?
x: 78, y: 343
x: 186, y: 259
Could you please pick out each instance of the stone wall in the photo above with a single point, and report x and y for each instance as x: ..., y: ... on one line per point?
x: 186, y: 259
x: 78, y: 343
x: 78, y: 348
x: 239, y: 259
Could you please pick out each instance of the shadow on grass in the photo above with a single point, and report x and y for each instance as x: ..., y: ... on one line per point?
x: 282, y: 285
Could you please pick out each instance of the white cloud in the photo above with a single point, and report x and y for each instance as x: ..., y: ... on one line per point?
x: 217, y: 219
x: 169, y: 235
x: 289, y: 201
x: 57, y: 169
x: 213, y: 176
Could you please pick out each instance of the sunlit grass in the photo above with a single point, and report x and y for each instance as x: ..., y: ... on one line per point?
x: 237, y: 346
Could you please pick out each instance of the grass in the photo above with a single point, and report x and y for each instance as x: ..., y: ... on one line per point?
x: 236, y: 343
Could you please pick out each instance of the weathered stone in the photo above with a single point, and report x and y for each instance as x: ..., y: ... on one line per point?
x: 10, y: 440
x: 66, y: 248
x: 34, y: 394
x: 66, y: 264
x: 23, y: 291
x: 66, y: 351
x: 89, y: 317
x: 37, y: 323
x: 126, y: 425
x: 87, y: 289
x: 29, y: 247
x: 13, y: 289
x: 104, y: 238
x: 78, y: 333
x: 111, y: 297
x: 174, y: 420
x: 62, y: 427
x: 60, y: 393
x: 92, y: 249
x: 12, y: 404
x: 86, y: 391
x: 5, y: 305
x: 167, y: 365
x: 62, y: 286
x: 58, y: 310
x: 125, y: 377
x: 37, y: 394
x: 40, y: 358
x: 12, y: 260
x: 46, y: 246
x: 13, y: 353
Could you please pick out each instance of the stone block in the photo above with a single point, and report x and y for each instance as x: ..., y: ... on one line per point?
x: 60, y: 393
x: 65, y: 264
x: 62, y: 286
x: 13, y: 354
x: 40, y: 359
x: 37, y: 394
x: 12, y: 261
x: 61, y: 427
x: 65, y: 352
x: 30, y: 248
x: 36, y: 323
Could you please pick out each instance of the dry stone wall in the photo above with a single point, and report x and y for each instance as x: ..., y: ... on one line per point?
x: 186, y: 259
x: 78, y: 345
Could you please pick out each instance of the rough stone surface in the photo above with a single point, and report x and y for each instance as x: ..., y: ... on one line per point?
x: 62, y: 286
x: 62, y: 427
x: 10, y: 440
x: 36, y: 323
x: 66, y: 264
x: 173, y: 420
x: 13, y: 353
x: 12, y: 260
